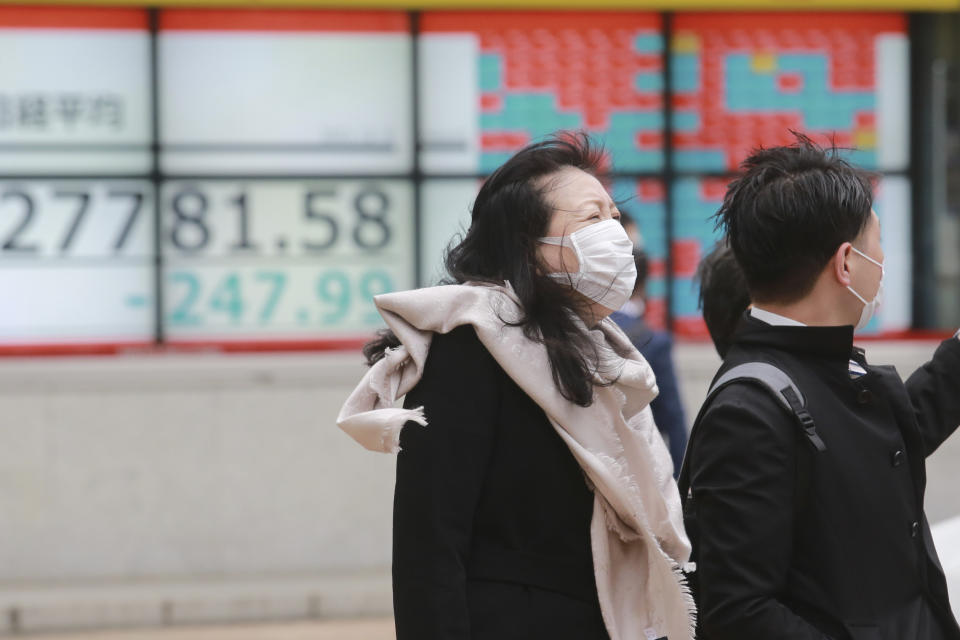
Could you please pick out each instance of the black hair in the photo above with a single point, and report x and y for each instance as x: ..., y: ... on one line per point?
x: 642, y: 264
x: 723, y: 295
x: 788, y: 212
x: 509, y: 215
x: 627, y: 219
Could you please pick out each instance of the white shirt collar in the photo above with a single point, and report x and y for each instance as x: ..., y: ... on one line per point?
x: 774, y: 319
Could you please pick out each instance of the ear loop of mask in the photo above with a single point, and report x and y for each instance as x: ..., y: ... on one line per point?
x: 861, y: 253
x: 869, y: 308
x: 568, y: 242
x: 882, y: 273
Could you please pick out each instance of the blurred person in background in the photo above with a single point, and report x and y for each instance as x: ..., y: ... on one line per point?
x: 806, y: 514
x: 533, y: 495
x: 633, y: 230
x: 657, y: 348
x: 723, y: 295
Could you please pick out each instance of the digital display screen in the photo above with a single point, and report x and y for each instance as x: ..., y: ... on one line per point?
x: 741, y: 80
x: 74, y: 91
x: 495, y: 81
x: 285, y: 92
x: 694, y: 235
x: 745, y: 80
x: 231, y: 177
x: 282, y: 259
x: 644, y: 202
x: 445, y: 218
x: 253, y: 109
x: 76, y: 262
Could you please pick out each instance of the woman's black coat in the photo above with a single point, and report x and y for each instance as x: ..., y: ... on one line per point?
x: 491, y: 511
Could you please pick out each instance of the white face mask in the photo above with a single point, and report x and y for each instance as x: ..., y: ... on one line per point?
x: 605, y: 254
x: 869, y: 308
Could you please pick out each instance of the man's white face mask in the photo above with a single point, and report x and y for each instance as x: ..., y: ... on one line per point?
x: 605, y: 254
x: 869, y: 308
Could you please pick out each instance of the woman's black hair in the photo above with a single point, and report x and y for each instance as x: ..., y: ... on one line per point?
x: 509, y: 215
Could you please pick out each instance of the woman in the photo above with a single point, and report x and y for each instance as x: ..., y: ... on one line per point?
x: 534, y: 496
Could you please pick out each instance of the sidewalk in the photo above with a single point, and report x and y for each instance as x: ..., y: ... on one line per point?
x: 946, y: 534
x: 380, y: 629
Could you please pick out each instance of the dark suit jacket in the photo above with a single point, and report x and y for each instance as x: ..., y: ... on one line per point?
x: 846, y: 552
x: 491, y: 511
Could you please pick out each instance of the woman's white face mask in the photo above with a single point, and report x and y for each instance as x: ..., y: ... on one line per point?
x: 605, y: 254
x: 869, y: 308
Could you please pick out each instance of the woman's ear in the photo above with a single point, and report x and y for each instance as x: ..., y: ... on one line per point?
x: 839, y: 264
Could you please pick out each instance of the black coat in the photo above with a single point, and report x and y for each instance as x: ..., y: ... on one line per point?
x: 491, y: 511
x: 846, y: 552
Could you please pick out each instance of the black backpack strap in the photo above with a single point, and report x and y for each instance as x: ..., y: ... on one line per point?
x: 783, y: 389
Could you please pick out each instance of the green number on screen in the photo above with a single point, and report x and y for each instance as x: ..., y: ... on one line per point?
x: 226, y: 297
x: 181, y: 313
x: 277, y: 281
x: 333, y: 289
x: 373, y: 283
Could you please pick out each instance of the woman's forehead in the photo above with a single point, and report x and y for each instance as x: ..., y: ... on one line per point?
x: 571, y: 186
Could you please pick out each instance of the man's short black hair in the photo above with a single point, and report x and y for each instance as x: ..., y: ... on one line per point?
x: 723, y: 295
x: 787, y: 213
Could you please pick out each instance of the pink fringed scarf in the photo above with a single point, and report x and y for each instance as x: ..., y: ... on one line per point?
x: 639, y: 544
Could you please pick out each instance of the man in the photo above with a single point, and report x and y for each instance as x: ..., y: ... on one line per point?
x: 657, y: 348
x: 799, y: 537
x: 723, y: 295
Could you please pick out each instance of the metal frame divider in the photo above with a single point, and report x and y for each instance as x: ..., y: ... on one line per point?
x: 921, y: 169
x: 155, y: 174
x: 417, y: 174
x: 668, y: 173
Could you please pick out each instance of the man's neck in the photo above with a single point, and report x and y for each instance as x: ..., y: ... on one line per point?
x: 815, y: 310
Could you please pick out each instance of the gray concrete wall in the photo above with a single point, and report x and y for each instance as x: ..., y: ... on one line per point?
x: 166, y: 489
x: 187, y: 488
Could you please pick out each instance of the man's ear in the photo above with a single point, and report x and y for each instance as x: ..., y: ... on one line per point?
x: 839, y: 264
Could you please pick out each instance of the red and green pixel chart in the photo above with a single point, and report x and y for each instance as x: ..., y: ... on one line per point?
x: 744, y: 80
x: 696, y: 199
x: 536, y: 73
x: 740, y: 80
x: 495, y: 81
x: 693, y: 235
x: 644, y: 201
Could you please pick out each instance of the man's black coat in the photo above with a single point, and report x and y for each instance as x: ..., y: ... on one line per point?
x: 793, y: 543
